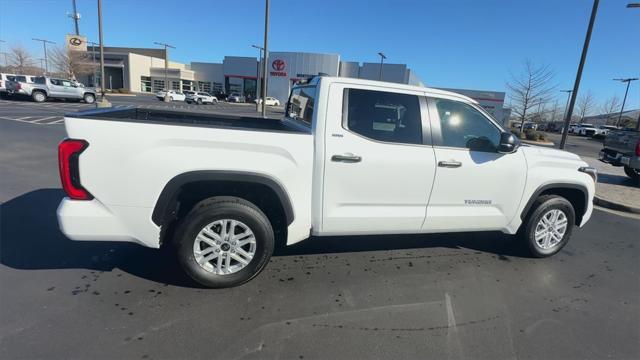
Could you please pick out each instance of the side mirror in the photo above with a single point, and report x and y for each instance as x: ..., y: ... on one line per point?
x: 509, y: 143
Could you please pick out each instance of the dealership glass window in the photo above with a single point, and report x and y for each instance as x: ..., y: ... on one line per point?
x: 250, y: 87
x: 383, y: 116
x: 175, y: 85
x: 158, y: 85
x: 463, y: 126
x: 145, y: 83
x: 301, y: 103
x: 204, y: 86
x: 187, y: 85
x: 217, y: 88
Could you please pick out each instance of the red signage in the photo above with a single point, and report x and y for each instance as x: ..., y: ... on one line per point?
x: 278, y: 65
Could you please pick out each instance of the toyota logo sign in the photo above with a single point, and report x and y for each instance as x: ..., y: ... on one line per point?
x: 278, y: 65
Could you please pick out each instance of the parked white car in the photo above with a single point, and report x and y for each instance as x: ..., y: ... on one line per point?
x: 586, y: 130
x: 350, y: 157
x: 173, y: 95
x: 199, y: 97
x: 3, y: 83
x: 603, y: 130
x: 270, y: 101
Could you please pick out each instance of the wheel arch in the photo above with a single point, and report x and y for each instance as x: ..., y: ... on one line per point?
x: 576, y: 194
x: 185, y: 190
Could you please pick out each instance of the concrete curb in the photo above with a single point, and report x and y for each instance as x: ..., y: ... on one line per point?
x: 539, y: 143
x: 615, y: 206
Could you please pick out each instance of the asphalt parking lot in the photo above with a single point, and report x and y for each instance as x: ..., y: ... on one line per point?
x: 435, y: 296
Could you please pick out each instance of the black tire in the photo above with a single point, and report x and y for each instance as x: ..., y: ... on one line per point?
x: 39, y: 96
x: 634, y: 174
x: 89, y: 98
x: 209, y: 211
x: 199, y: 101
x: 542, y: 206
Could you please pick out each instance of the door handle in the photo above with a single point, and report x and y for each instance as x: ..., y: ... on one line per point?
x: 449, y: 164
x: 348, y: 158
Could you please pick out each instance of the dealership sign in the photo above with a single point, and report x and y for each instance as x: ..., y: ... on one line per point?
x: 76, y: 42
x: 278, y: 65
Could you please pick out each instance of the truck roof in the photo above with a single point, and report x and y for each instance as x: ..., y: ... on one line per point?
x: 432, y: 91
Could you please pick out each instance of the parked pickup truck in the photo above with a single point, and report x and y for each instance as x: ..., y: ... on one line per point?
x: 622, y: 148
x: 43, y: 88
x: 350, y: 157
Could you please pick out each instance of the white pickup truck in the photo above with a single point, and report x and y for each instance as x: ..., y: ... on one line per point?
x: 350, y: 157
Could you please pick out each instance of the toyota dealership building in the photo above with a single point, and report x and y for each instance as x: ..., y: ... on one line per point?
x: 142, y: 70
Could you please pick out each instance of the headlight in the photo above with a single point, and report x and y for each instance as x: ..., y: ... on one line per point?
x: 590, y: 171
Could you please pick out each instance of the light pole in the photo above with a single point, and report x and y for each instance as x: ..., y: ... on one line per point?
x: 259, y: 77
x: 628, y: 81
x: 637, y: 6
x: 103, y: 101
x: 44, y: 44
x: 42, y: 64
x: 76, y: 17
x: 167, y: 98
x: 567, y: 105
x: 266, y: 58
x: 382, y: 57
x: 93, y: 54
x: 576, y: 85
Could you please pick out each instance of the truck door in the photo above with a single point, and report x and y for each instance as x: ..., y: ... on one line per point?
x: 56, y: 88
x: 379, y: 163
x: 476, y: 188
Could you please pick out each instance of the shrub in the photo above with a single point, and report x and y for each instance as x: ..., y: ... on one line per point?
x: 123, y: 91
x: 518, y: 134
x: 531, y: 135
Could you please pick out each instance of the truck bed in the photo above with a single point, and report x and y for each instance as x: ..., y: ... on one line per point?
x: 184, y: 118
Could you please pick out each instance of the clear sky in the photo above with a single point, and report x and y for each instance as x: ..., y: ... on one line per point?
x: 469, y: 44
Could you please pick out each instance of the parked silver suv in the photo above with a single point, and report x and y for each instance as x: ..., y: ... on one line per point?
x: 43, y: 88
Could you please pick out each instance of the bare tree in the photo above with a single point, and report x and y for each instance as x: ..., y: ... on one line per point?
x: 71, y: 63
x: 610, y: 106
x: 20, y: 59
x: 533, y: 87
x: 586, y: 103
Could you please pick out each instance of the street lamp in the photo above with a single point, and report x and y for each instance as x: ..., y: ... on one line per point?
x: 628, y: 81
x: 576, y: 85
x: 259, y: 77
x: 167, y: 98
x: 44, y: 44
x: 266, y: 58
x: 568, y: 98
x: 103, y: 103
x: 382, y: 57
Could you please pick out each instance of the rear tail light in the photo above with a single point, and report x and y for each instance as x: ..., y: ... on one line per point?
x: 638, y: 148
x: 18, y: 86
x: 69, y: 152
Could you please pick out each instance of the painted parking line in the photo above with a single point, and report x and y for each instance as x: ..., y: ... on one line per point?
x: 46, y: 118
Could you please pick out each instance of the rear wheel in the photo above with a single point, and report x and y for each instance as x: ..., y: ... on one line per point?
x: 199, y: 101
x: 39, y: 96
x: 634, y: 174
x: 548, y: 227
x: 224, y: 242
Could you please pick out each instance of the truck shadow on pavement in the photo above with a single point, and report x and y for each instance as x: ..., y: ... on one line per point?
x: 31, y: 240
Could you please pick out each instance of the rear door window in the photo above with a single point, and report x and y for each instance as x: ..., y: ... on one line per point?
x: 383, y: 116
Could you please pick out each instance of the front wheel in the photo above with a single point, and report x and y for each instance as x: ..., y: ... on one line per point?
x: 224, y: 242
x: 89, y: 98
x: 199, y: 101
x: 548, y: 227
